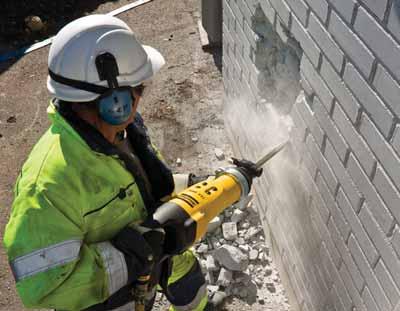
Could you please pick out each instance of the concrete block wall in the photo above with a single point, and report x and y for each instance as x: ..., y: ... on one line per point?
x: 332, y: 211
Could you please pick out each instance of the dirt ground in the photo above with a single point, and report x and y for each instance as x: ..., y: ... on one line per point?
x: 182, y: 108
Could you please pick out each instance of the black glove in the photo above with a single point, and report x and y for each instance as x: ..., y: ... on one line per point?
x: 248, y: 169
x: 142, y: 249
x: 120, y: 298
x: 193, y: 179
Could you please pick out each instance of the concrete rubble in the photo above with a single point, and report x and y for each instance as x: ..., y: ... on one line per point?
x: 234, y: 257
x: 225, y: 277
x: 211, y: 264
x: 214, y: 224
x: 253, y: 254
x: 231, y: 258
x: 237, y: 216
x: 229, y: 231
x: 219, y: 154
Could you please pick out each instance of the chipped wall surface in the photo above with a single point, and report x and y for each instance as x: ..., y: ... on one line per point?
x: 325, y: 75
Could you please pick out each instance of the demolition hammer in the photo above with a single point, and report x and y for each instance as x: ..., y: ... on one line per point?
x: 185, y: 218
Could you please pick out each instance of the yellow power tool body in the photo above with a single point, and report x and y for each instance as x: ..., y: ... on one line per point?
x: 185, y: 218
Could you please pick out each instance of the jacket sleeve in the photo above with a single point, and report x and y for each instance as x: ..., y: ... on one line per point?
x: 52, y: 265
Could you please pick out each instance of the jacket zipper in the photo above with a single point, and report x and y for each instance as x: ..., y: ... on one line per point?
x: 120, y: 195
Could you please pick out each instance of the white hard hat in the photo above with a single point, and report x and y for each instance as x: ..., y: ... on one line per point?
x: 75, y: 48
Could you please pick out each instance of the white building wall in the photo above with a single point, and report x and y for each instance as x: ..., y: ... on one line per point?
x: 331, y: 202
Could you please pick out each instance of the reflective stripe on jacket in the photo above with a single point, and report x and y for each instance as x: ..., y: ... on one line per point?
x: 70, y: 199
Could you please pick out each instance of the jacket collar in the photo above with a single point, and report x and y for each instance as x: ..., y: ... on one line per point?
x: 158, y: 173
x: 90, y: 135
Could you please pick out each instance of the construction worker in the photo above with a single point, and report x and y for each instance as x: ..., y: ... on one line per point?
x: 72, y: 239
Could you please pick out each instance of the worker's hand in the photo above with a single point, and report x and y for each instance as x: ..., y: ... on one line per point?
x: 155, y: 238
x: 142, y: 248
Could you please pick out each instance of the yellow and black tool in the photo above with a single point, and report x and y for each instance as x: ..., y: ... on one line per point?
x: 185, y: 218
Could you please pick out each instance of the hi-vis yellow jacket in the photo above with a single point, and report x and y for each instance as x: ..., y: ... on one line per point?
x: 70, y: 200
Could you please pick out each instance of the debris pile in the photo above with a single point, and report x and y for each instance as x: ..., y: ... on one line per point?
x: 234, y: 257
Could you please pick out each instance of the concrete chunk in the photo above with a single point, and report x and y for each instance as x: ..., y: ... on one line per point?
x: 245, y: 225
x: 218, y: 298
x: 229, y: 230
x: 212, y: 289
x: 243, y: 278
x: 253, y: 254
x: 237, y: 216
x: 243, y: 293
x: 245, y: 248
x: 210, y: 278
x: 214, y: 224
x: 271, y: 287
x: 203, y: 248
x: 231, y: 258
x: 228, y: 213
x: 211, y: 265
x: 219, y: 154
x: 215, y: 243
x: 252, y: 232
x: 225, y: 277
x: 240, y: 241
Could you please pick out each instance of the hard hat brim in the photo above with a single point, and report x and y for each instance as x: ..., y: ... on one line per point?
x: 155, y: 61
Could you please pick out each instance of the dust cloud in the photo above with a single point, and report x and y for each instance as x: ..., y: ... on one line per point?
x: 257, y: 129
